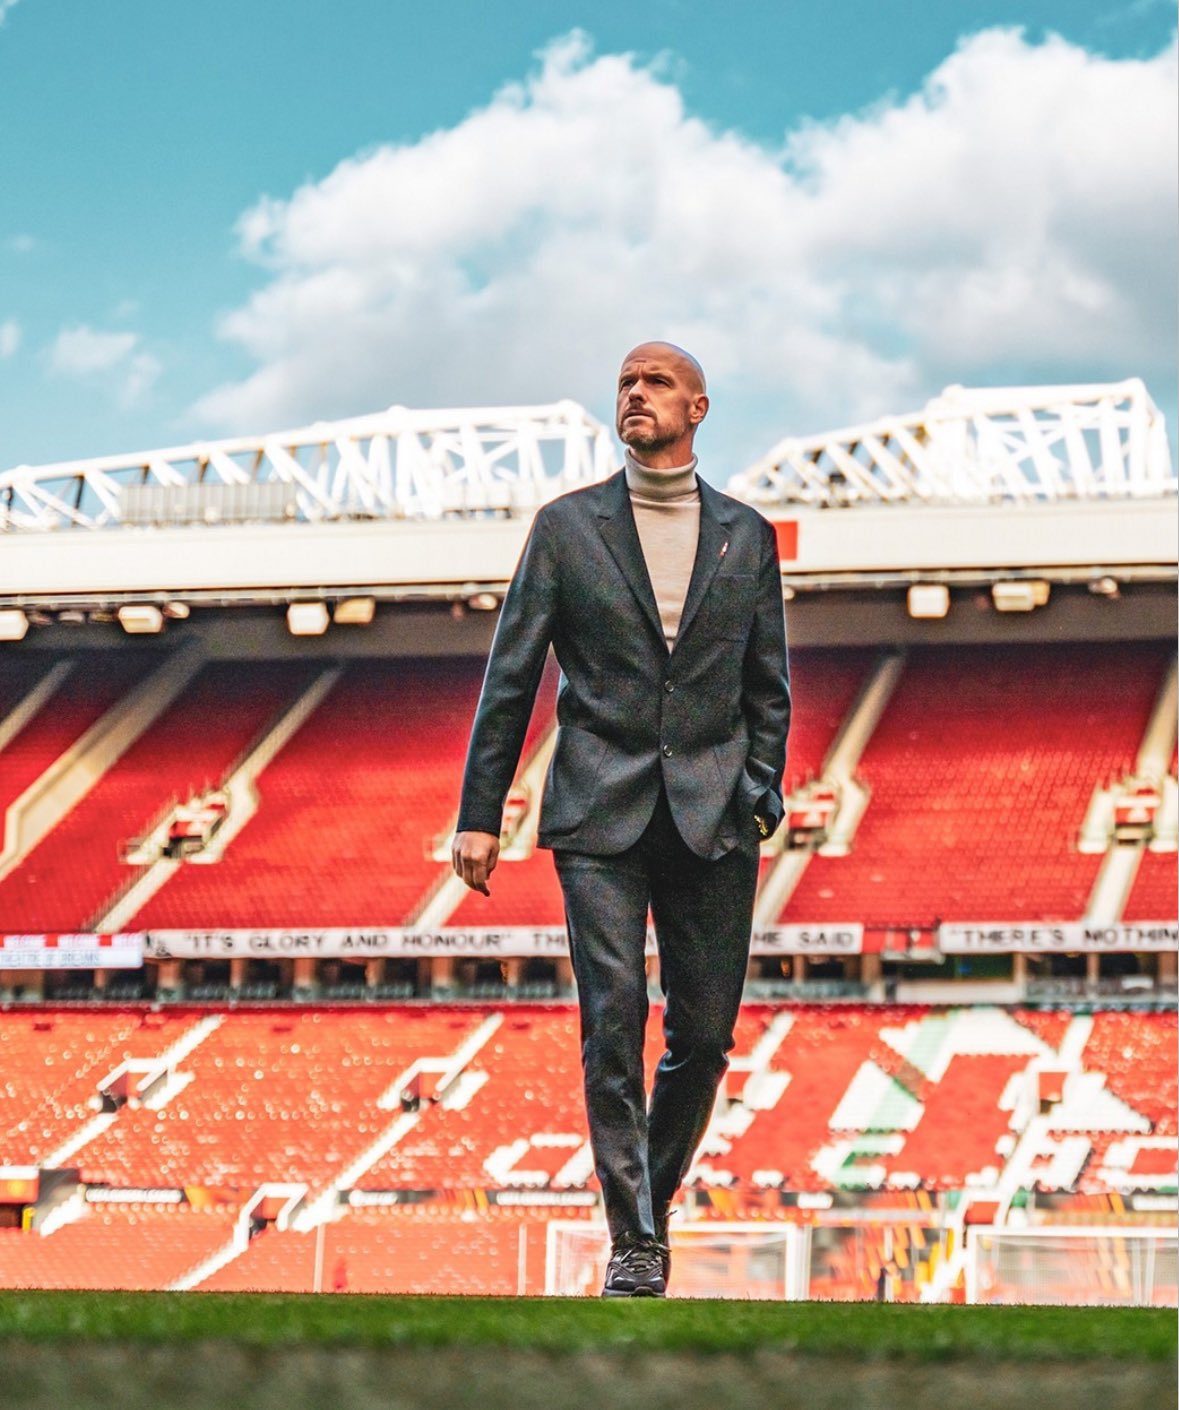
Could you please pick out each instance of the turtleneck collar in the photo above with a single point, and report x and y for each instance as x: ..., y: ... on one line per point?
x: 673, y: 483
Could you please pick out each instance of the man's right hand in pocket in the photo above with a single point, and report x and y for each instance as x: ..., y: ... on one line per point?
x: 473, y: 856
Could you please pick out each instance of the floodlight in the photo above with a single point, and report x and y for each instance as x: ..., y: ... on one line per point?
x: 179, y: 610
x: 1024, y: 595
x: 484, y: 601
x: 355, y: 611
x: 13, y: 624
x: 141, y: 619
x: 307, y: 618
x: 929, y: 600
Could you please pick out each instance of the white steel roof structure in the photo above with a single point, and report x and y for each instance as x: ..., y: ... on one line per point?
x: 394, y: 464
x: 1063, y: 482
x: 978, y: 446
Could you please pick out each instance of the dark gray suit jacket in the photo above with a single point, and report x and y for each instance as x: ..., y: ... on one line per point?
x: 708, y: 718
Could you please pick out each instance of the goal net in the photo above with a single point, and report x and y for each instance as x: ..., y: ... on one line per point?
x: 724, y: 1260
x: 1133, y: 1267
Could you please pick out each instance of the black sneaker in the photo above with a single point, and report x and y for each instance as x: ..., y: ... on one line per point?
x: 636, y: 1268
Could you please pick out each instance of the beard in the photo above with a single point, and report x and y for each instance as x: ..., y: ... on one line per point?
x: 647, y: 436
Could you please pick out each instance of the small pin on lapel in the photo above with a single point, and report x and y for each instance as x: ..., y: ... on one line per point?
x: 724, y: 548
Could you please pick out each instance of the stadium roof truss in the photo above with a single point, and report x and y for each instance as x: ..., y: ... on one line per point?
x: 979, y: 445
x: 395, y: 464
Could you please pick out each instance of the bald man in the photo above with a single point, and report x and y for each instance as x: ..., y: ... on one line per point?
x: 662, y: 600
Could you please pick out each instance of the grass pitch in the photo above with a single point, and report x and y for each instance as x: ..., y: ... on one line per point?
x: 188, y: 1351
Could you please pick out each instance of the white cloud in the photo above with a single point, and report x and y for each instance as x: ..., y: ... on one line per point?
x: 142, y: 371
x: 81, y: 351
x: 22, y: 244
x: 85, y: 352
x: 1013, y: 220
x: 5, y: 6
x: 10, y: 333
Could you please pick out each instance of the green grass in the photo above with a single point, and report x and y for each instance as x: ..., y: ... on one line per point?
x: 856, y: 1331
x: 210, y: 1351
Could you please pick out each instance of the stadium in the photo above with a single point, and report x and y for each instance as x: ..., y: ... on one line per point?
x: 257, y: 1037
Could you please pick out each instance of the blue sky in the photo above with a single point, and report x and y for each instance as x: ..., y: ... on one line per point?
x: 237, y: 216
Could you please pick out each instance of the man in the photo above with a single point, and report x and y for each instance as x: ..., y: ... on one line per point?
x: 662, y: 600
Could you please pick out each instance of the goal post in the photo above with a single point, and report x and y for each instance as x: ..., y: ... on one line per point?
x: 1132, y: 1267
x: 710, y: 1260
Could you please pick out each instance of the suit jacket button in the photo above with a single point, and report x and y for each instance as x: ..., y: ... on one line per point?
x: 667, y: 685
x: 667, y: 751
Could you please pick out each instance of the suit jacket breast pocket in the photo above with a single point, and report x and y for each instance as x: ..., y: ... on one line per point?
x: 728, y: 605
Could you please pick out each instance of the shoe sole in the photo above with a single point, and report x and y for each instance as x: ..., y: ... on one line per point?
x: 637, y: 1292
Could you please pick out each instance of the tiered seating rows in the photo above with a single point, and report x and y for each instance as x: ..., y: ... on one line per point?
x: 135, y: 1247
x: 274, y: 1097
x: 52, y: 1061
x: 70, y: 878
x: 496, y: 1252
x: 1156, y: 886
x: 981, y: 770
x: 980, y: 773
x: 95, y: 682
x: 349, y: 809
x: 295, y: 1097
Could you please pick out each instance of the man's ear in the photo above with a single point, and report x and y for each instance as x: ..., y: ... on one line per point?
x: 699, y: 409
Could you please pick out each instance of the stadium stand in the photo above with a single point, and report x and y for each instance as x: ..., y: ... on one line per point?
x: 980, y: 771
x: 53, y: 1061
x: 349, y: 810
x: 324, y: 1137
x: 18, y: 676
x: 128, y: 1246
x: 522, y: 1090
x: 495, y: 1251
x: 275, y: 1097
x: 824, y: 684
x: 1156, y: 885
x: 1137, y: 1056
x: 95, y: 682
x: 817, y: 1099
x: 69, y: 880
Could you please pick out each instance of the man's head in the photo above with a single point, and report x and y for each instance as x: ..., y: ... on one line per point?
x: 661, y: 400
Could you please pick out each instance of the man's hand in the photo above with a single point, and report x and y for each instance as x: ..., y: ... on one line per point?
x: 473, y: 856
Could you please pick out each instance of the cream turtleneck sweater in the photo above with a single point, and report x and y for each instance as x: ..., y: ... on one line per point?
x: 666, y: 505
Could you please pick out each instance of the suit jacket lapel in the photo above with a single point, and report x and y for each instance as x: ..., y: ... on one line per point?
x: 711, y: 548
x: 616, y: 521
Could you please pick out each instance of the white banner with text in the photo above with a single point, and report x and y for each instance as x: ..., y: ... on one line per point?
x: 989, y: 937
x: 511, y: 942
x: 71, y: 951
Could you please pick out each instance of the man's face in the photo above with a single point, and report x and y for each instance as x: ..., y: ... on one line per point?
x: 660, y: 399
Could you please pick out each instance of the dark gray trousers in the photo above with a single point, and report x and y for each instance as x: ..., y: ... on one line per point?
x: 702, y: 913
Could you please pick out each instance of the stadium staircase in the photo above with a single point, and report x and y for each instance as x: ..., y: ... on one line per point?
x: 54, y: 761
x: 818, y: 756
x: 68, y: 880
x: 229, y: 758
x: 975, y: 751
x: 26, y: 686
x: 1122, y: 861
x: 348, y: 810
